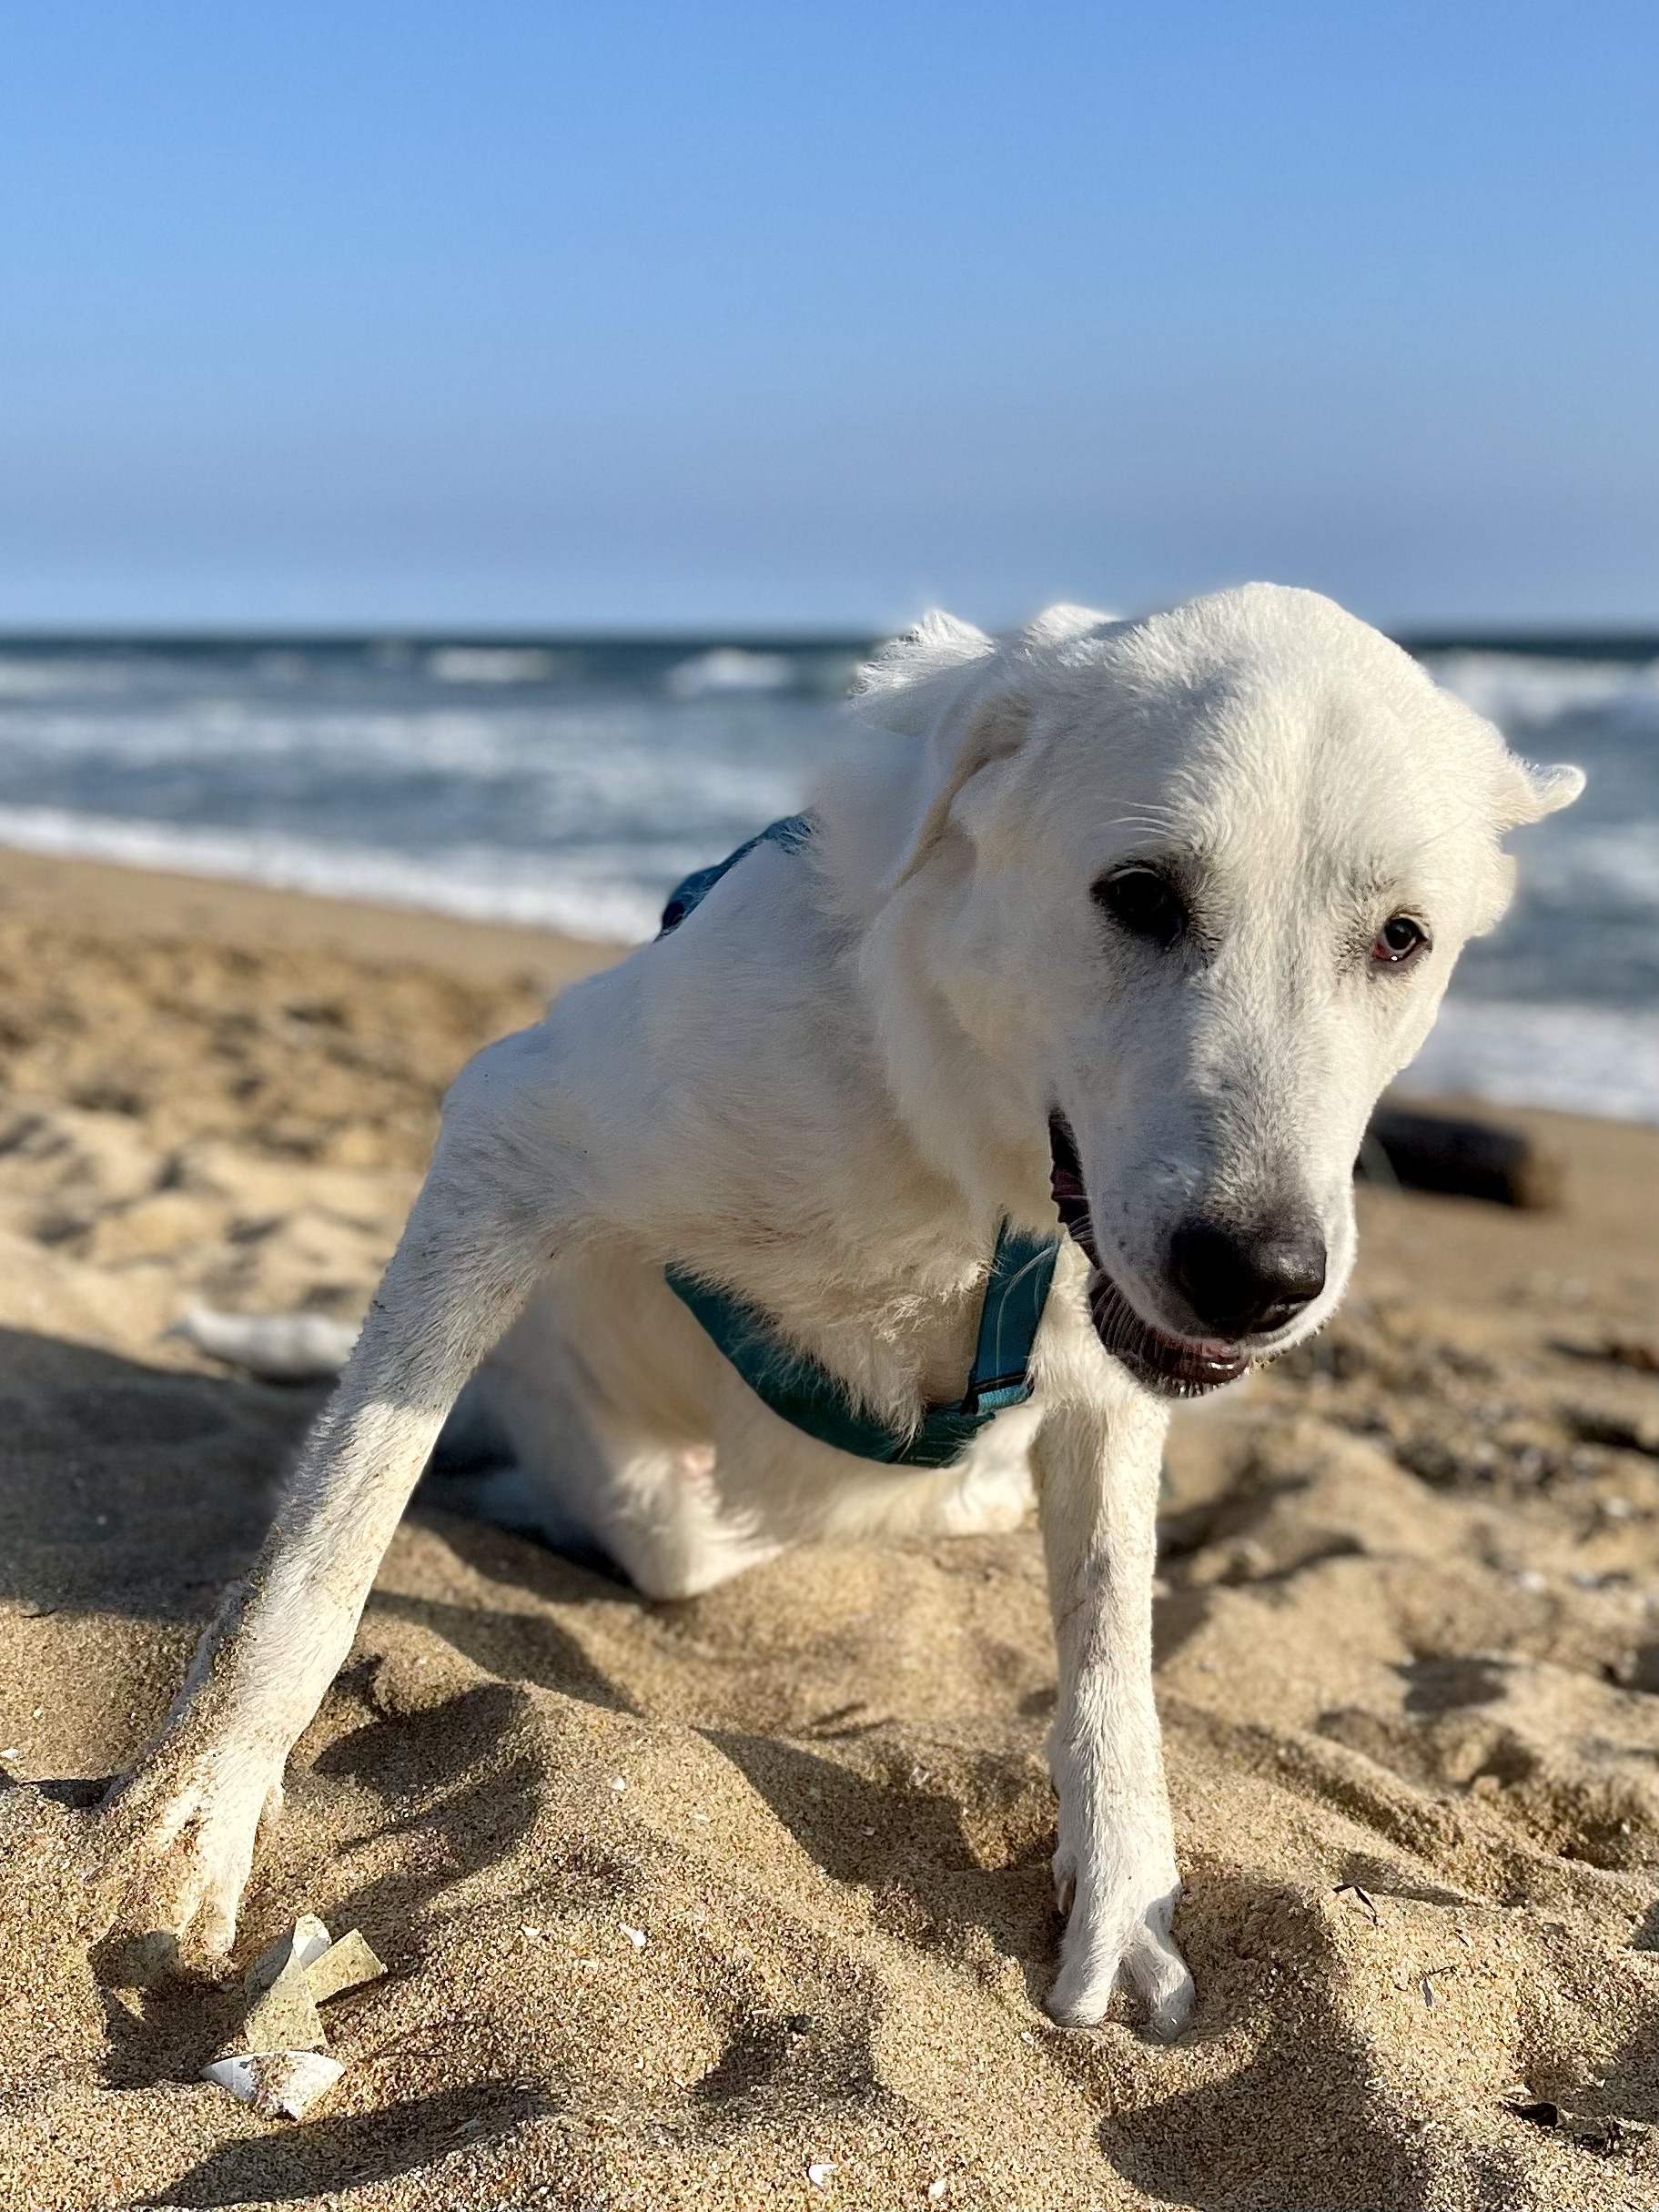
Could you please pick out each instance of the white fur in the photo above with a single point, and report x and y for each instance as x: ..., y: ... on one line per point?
x: 828, y: 1088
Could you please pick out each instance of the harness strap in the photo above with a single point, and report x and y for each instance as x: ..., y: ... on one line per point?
x: 791, y: 833
x: 800, y: 1389
x: 803, y: 1391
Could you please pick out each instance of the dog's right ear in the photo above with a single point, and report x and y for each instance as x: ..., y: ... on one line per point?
x: 1533, y: 792
x: 896, y: 688
x: 935, y: 683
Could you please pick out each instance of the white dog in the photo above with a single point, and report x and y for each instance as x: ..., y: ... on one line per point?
x: 1132, y: 919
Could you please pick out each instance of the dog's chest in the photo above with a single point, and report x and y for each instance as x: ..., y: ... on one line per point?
x: 896, y: 1323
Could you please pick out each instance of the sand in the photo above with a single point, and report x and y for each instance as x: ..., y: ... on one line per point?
x: 745, y: 1902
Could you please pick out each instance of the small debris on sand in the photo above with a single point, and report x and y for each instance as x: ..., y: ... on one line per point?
x: 276, y: 2061
x: 283, y: 2017
x: 345, y: 1964
x: 281, y: 2084
x: 308, y: 1939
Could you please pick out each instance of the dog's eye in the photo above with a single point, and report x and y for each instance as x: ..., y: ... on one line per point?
x: 1400, y: 939
x: 1144, y: 902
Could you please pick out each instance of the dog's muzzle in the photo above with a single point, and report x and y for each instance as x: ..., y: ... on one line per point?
x: 1175, y: 1366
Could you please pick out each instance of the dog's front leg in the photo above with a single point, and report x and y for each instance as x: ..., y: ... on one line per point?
x: 1115, y: 1871
x: 172, y: 1848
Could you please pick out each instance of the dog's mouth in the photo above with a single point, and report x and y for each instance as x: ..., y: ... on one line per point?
x: 1175, y: 1366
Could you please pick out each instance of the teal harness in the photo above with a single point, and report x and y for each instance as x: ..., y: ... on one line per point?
x: 799, y: 1388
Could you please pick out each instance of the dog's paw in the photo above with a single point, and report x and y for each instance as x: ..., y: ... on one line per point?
x: 170, y: 1849
x: 1118, y: 1917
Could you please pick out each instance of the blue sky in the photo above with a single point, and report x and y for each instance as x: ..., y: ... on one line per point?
x: 551, y: 315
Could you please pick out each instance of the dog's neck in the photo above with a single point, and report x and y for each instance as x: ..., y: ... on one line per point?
x: 972, y: 1105
x: 972, y: 1114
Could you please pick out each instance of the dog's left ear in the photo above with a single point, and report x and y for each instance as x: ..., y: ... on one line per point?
x: 962, y: 693
x: 1530, y: 793
x: 945, y: 682
x: 978, y: 726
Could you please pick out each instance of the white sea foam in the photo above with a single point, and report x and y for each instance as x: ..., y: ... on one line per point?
x: 1527, y: 692
x: 595, y: 893
x: 571, y: 759
x: 1619, y: 861
x: 492, y: 664
x: 729, y: 669
x: 35, y: 676
x: 1579, y: 1060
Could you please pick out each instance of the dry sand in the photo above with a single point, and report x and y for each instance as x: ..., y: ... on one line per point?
x: 1410, y: 1637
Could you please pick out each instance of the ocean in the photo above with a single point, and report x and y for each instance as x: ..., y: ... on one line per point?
x: 570, y: 783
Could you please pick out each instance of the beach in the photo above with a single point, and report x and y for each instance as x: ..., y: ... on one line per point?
x: 745, y: 1901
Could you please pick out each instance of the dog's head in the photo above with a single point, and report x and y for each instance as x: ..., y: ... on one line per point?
x: 1174, y: 899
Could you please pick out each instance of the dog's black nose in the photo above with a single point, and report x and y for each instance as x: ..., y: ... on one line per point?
x: 1244, y: 1282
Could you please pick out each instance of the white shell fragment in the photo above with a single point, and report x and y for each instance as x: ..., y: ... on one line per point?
x: 308, y: 1939
x: 276, y: 2061
x: 282, y: 2085
x: 345, y: 1964
x: 283, y: 2017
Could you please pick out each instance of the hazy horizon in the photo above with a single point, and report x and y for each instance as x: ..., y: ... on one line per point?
x: 1552, y: 639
